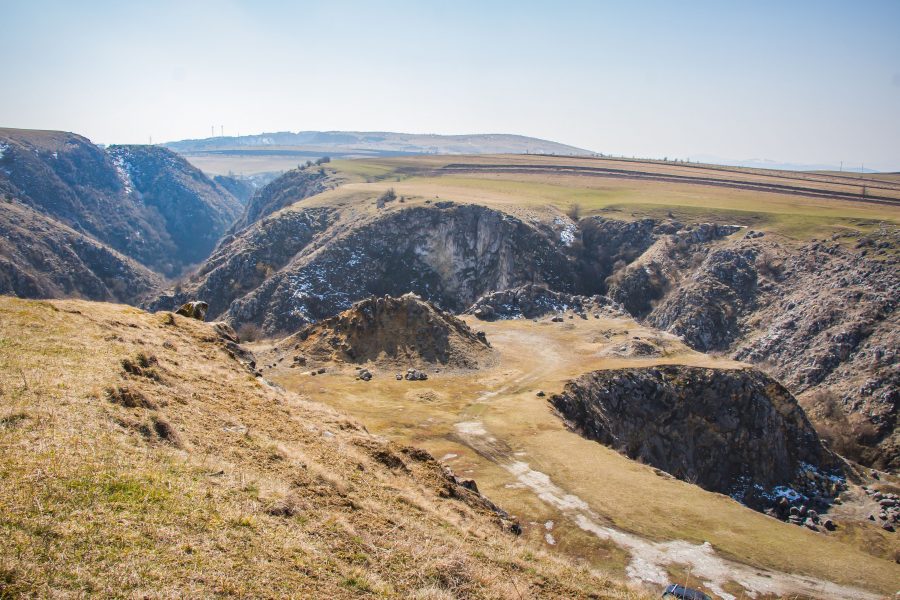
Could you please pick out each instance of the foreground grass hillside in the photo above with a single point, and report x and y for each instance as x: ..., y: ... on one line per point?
x: 140, y: 458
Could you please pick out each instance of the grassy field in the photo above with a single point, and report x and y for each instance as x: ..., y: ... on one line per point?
x: 139, y: 460
x: 546, y: 195
x: 485, y: 423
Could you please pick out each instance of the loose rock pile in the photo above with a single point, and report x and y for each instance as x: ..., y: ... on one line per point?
x: 800, y: 515
x: 889, y: 504
x: 534, y: 301
x: 416, y: 375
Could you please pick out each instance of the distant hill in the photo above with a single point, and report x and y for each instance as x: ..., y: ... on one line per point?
x: 765, y: 163
x: 374, y: 143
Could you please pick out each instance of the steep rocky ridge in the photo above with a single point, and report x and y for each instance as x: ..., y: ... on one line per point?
x: 42, y: 258
x: 195, y: 211
x: 144, y: 202
x: 735, y: 431
x: 404, y: 330
x: 242, y: 263
x: 447, y: 253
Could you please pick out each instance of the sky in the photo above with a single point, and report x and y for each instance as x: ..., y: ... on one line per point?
x: 813, y: 82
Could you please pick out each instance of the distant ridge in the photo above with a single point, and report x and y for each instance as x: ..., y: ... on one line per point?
x: 373, y: 143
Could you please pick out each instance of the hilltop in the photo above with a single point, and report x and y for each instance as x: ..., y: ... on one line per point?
x: 375, y: 143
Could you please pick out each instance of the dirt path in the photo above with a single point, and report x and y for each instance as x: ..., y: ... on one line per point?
x: 649, y: 559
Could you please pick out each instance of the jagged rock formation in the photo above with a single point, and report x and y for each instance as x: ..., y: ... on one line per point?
x: 643, y: 282
x: 145, y: 202
x: 738, y: 432
x: 534, y: 301
x: 829, y: 329
x: 42, y: 258
x: 404, y: 330
x: 705, y: 308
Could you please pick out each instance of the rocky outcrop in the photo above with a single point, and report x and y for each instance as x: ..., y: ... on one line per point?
x: 642, y: 283
x: 705, y: 309
x: 404, y: 330
x: 737, y: 432
x: 196, y: 310
x: 534, y: 301
x: 145, y: 202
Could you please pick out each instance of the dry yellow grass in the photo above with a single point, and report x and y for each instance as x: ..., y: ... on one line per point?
x: 188, y: 477
x: 630, y: 496
x: 545, y: 194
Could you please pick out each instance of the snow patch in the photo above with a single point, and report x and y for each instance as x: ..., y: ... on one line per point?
x: 3, y: 148
x: 122, y: 170
x: 471, y: 428
x: 567, y: 235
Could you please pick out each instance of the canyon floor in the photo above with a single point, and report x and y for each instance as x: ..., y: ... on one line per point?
x: 579, y: 498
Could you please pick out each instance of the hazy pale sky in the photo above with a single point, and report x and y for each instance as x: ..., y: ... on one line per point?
x: 805, y: 82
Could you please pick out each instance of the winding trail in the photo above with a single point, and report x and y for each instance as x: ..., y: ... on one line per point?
x: 649, y: 559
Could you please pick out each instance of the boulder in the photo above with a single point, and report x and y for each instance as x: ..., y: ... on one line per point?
x: 469, y: 484
x: 195, y: 309
x: 416, y: 375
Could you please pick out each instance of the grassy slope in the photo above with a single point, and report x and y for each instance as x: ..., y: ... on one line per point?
x: 795, y: 216
x: 218, y: 484
x: 633, y: 497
